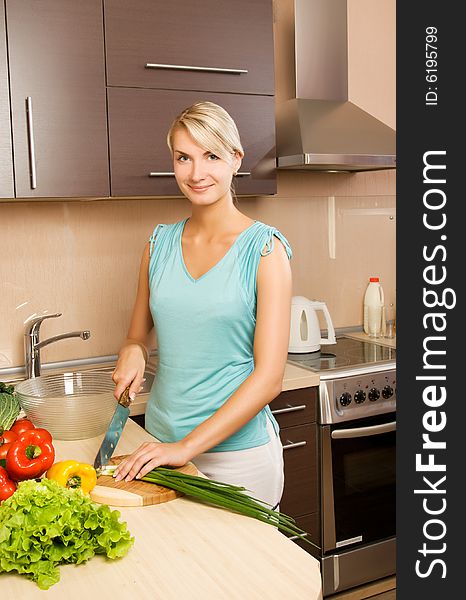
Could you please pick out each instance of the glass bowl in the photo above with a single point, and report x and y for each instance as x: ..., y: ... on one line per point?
x: 71, y: 406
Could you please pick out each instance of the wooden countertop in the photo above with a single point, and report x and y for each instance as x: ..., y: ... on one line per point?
x: 183, y: 549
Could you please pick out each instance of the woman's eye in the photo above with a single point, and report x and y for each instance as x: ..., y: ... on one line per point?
x: 182, y: 158
x: 213, y: 157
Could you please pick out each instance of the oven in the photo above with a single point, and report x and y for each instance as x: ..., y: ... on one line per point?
x: 356, y: 434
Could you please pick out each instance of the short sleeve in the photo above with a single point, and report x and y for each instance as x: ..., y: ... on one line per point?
x: 270, y: 243
x: 156, y: 249
x: 153, y: 237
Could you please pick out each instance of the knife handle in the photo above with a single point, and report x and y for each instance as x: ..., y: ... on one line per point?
x: 124, y: 399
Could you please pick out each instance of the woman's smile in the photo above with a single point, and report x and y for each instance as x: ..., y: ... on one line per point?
x: 200, y: 188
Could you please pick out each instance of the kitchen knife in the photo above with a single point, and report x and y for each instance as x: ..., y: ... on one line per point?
x: 120, y: 416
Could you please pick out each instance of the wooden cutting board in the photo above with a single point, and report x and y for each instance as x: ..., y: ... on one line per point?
x: 134, y: 493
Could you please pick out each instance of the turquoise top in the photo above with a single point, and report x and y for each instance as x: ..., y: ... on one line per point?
x: 205, y: 333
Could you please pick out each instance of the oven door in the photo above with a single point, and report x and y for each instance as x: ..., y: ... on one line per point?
x: 358, y: 482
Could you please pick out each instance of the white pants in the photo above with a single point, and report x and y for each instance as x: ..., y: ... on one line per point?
x: 258, y: 469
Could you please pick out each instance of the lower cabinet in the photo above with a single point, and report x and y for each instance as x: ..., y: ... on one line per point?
x: 300, y: 457
x: 296, y: 412
x: 140, y: 161
x: 311, y: 525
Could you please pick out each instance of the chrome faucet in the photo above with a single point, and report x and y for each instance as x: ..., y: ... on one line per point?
x: 32, y: 345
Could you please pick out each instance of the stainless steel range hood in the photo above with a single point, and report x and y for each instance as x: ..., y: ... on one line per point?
x: 320, y: 129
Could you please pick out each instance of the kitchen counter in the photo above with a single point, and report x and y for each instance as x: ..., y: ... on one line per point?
x: 182, y: 549
x: 360, y: 335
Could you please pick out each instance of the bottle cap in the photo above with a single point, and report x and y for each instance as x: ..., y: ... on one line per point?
x: 373, y: 279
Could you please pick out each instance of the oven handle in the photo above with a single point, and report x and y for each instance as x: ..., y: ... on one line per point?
x: 355, y: 432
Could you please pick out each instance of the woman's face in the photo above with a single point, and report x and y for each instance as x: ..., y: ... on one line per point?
x: 203, y: 177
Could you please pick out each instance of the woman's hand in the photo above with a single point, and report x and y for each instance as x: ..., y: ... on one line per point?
x: 129, y: 370
x: 149, y: 456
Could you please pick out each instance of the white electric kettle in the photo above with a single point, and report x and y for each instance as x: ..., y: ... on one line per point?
x: 305, y: 329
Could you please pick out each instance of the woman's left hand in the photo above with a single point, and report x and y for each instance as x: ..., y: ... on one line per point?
x: 149, y: 456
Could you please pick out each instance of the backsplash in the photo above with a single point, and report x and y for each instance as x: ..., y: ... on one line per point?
x: 82, y: 258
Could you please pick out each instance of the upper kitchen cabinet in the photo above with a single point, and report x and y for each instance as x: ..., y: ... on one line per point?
x: 58, y: 103
x: 207, y: 45
x: 140, y: 161
x: 6, y: 157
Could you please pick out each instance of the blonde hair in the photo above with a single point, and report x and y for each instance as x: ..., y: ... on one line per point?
x: 211, y: 127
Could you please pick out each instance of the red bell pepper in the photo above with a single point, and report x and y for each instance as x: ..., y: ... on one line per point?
x: 30, y: 455
x: 7, y: 486
x: 21, y: 425
x: 7, y: 437
x: 4, y: 450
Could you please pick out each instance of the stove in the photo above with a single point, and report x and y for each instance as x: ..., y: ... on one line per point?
x: 356, y: 441
x: 347, y: 356
x: 357, y: 379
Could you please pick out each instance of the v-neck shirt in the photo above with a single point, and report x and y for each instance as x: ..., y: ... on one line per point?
x: 205, y: 333
x: 224, y: 257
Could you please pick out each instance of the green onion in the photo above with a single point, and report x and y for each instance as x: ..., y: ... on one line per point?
x: 231, y: 497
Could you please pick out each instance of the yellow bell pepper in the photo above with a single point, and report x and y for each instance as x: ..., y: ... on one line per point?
x: 73, y: 474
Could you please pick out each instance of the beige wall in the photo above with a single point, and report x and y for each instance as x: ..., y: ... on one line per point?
x: 81, y: 258
x: 372, y: 57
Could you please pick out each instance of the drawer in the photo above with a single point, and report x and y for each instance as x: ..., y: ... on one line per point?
x: 233, y: 41
x: 140, y: 161
x: 295, y: 407
x: 301, y: 492
x: 311, y: 525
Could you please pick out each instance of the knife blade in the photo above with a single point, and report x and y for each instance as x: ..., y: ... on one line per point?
x: 113, y: 433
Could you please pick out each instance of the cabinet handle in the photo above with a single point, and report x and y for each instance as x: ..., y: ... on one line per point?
x: 162, y: 174
x: 288, y: 409
x: 31, y: 149
x: 289, y: 445
x: 192, y: 68
x: 172, y: 174
x: 298, y: 537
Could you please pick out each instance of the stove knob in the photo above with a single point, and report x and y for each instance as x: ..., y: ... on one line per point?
x: 345, y: 399
x: 374, y: 394
x: 359, y: 396
x: 387, y: 392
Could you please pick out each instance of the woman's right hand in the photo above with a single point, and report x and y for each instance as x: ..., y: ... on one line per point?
x: 129, y: 370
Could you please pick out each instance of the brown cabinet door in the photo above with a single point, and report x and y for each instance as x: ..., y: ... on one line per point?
x: 301, y: 492
x: 295, y: 407
x: 214, y: 34
x: 138, y: 123
x: 311, y: 525
x: 6, y: 156
x: 57, y: 77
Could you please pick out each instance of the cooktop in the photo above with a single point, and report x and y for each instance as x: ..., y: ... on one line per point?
x: 347, y: 355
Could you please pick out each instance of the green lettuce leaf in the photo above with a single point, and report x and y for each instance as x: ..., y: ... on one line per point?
x: 9, y: 409
x: 43, y: 525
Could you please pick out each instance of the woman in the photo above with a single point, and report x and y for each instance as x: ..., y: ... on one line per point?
x: 218, y: 291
